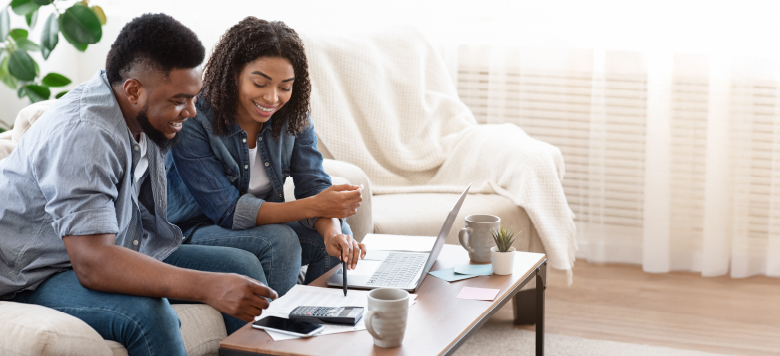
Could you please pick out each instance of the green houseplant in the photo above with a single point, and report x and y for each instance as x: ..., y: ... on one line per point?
x: 78, y: 23
x: 502, y: 254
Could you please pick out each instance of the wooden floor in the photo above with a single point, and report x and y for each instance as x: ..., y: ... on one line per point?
x: 679, y: 310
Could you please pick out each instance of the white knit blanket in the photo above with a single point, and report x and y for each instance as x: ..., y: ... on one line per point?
x: 386, y: 103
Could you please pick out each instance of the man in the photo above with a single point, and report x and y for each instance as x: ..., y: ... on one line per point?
x: 83, y: 202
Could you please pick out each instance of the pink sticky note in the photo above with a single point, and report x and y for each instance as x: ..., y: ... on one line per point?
x: 478, y: 293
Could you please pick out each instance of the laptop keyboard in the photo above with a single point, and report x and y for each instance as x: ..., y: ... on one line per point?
x: 398, y: 270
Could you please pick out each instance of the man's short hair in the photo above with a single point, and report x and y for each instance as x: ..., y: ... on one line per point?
x: 155, y: 41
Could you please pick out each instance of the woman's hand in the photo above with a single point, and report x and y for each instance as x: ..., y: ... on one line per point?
x: 345, y: 247
x: 338, y: 201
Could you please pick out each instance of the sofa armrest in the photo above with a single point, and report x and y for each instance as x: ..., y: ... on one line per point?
x: 361, y: 223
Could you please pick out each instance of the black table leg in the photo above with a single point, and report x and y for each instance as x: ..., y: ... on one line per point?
x: 541, y: 285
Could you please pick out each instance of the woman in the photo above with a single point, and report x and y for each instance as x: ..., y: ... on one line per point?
x: 251, y: 131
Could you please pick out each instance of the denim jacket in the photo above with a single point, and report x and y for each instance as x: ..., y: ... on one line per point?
x: 208, y: 174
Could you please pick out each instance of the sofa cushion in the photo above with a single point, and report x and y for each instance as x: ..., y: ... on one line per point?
x: 202, y: 328
x: 35, y: 330
x: 424, y: 214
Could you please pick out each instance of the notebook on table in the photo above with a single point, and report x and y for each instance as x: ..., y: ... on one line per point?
x: 398, y: 261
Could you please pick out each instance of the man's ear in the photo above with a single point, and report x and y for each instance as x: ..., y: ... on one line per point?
x: 132, y: 89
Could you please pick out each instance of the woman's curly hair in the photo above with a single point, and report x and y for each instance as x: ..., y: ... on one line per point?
x: 248, y: 40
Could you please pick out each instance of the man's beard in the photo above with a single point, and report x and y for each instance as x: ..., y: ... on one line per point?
x: 155, y: 135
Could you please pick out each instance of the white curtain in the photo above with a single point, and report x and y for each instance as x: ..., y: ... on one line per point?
x: 673, y: 160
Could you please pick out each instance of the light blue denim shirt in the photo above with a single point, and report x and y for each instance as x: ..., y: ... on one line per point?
x: 71, y: 174
x: 208, y: 174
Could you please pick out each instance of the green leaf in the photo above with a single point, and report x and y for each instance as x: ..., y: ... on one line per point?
x: 55, y: 80
x: 81, y: 25
x: 5, y: 76
x: 31, y: 19
x: 43, y: 2
x: 22, y: 7
x: 79, y: 46
x: 21, y: 65
x: 18, y: 33
x: 60, y: 94
x: 27, y: 45
x: 36, y: 93
x: 5, y: 24
x: 100, y: 14
x: 50, y: 35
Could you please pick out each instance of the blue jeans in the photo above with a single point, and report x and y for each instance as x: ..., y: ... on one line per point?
x: 145, y: 326
x: 281, y: 249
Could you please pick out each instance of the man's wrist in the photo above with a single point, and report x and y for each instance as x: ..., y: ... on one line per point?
x: 198, y: 281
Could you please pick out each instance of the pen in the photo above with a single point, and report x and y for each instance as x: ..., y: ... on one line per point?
x: 344, y: 271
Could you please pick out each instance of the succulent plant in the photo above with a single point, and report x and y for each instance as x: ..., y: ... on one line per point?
x: 503, y: 238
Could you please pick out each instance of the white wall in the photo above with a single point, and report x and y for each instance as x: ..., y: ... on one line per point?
x: 745, y: 27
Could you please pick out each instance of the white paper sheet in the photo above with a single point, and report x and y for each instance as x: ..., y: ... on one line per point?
x: 399, y: 242
x: 320, y: 297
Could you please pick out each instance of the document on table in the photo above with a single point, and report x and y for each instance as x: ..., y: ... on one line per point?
x: 399, y: 242
x: 481, y: 270
x: 449, y: 275
x: 478, y: 293
x: 301, y: 295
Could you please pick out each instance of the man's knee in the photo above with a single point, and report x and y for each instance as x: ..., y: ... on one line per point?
x: 152, y: 325
x: 159, y: 311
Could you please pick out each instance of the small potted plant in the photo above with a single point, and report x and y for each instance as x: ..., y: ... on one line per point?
x: 503, y: 253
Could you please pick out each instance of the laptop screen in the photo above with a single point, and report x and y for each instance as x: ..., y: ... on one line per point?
x: 445, y: 230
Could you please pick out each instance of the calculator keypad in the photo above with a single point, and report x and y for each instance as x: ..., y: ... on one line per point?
x: 316, y: 311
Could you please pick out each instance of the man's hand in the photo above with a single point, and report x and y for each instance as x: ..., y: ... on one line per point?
x: 346, y: 248
x: 338, y: 201
x: 238, y: 295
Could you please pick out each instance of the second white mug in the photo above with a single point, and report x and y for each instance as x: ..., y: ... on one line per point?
x: 385, y: 319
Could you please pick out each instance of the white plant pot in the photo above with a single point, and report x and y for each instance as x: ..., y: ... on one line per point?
x: 503, y: 262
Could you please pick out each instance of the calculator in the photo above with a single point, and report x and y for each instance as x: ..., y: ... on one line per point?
x: 326, y: 315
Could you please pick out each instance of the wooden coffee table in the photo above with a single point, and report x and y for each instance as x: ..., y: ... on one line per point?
x: 438, y: 323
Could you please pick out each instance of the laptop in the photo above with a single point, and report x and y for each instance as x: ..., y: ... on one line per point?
x: 397, y: 268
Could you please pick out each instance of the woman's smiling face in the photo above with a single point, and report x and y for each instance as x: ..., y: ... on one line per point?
x: 264, y: 86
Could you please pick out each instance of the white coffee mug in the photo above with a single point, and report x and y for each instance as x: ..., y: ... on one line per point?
x: 385, y: 320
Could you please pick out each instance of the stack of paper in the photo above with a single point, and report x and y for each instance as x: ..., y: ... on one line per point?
x: 301, y: 295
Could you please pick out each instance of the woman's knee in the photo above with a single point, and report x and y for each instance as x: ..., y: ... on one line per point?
x: 243, y: 262
x: 284, y: 241
x: 346, y: 229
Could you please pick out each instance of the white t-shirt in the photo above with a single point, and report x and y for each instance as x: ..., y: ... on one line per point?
x: 259, y: 184
x: 143, y: 164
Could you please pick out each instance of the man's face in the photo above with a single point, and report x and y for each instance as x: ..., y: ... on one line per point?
x: 169, y: 103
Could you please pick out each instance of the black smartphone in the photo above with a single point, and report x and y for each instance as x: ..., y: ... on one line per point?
x: 287, y: 326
